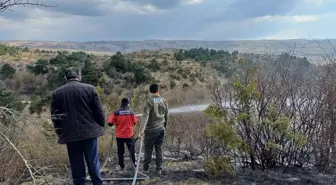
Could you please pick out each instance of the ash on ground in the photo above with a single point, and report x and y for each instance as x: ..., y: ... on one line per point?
x: 182, y: 172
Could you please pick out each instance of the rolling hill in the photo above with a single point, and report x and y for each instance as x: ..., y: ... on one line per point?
x: 312, y: 49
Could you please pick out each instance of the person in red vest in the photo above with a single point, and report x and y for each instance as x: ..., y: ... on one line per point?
x: 124, y: 120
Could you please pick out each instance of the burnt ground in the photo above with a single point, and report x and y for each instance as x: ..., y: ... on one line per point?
x: 191, y: 173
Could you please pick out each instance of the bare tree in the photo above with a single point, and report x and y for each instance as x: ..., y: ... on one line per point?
x: 6, y: 4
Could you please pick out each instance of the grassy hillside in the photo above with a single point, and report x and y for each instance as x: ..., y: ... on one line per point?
x: 184, y: 75
x: 203, y: 148
x: 37, y: 72
x: 304, y: 48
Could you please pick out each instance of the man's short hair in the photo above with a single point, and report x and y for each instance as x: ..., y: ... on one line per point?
x: 125, y: 101
x: 72, y: 72
x: 154, y: 88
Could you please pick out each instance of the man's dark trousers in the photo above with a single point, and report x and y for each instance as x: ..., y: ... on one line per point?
x: 121, y: 150
x: 153, y: 139
x: 79, y: 150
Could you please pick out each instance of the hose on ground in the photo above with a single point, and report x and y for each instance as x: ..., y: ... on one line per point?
x: 138, y: 161
x: 135, y: 167
x: 107, y: 156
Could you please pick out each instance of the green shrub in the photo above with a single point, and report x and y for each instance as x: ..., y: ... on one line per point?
x: 142, y: 75
x: 39, y: 104
x: 7, y: 71
x: 154, y: 65
x: 217, y: 166
x: 235, y: 131
x: 172, y: 84
x: 11, y: 50
x: 9, y: 100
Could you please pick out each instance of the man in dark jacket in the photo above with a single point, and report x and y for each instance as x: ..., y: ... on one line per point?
x: 153, y: 126
x: 78, y: 117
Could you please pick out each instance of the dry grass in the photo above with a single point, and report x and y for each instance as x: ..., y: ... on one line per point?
x: 42, y: 154
x: 24, y: 57
x: 37, y: 139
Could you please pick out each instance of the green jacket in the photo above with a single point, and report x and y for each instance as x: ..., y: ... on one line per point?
x: 155, y: 114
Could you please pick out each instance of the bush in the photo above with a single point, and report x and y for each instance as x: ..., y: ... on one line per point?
x: 154, y: 65
x: 9, y: 100
x: 40, y: 67
x: 28, y: 83
x: 11, y: 50
x: 179, y: 55
x: 39, y: 105
x: 176, y: 77
x: 3, y: 85
x: 7, y: 71
x: 180, y: 71
x: 192, y: 77
x: 142, y: 75
x: 261, y: 134
x: 25, y: 49
x: 186, y: 140
x: 172, y: 84
x: 120, y: 63
x: 217, y: 166
x: 90, y: 73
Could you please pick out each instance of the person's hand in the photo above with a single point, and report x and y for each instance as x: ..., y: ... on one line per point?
x: 140, y: 134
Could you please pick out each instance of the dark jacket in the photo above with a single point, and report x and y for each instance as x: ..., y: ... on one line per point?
x: 77, y: 112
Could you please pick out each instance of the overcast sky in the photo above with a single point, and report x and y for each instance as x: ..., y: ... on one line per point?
x: 87, y: 20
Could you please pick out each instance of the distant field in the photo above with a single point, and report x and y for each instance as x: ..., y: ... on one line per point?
x: 308, y: 48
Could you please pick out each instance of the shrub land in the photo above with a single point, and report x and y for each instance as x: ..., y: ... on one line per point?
x: 266, y: 112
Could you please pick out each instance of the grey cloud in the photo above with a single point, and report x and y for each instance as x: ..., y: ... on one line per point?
x: 161, y: 4
x: 258, y: 8
x: 212, y: 20
x: 90, y: 8
x: 82, y: 8
x: 14, y: 15
x: 185, y: 22
x: 245, y: 9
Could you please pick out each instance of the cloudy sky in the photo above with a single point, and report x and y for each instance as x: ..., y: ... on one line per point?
x: 87, y: 20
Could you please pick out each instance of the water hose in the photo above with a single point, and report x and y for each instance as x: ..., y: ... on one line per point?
x: 135, y: 177
x: 107, y: 157
x: 138, y: 161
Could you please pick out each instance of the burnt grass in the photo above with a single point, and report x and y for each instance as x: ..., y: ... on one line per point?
x: 191, y: 172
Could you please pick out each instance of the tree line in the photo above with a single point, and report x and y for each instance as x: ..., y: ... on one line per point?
x: 43, y: 76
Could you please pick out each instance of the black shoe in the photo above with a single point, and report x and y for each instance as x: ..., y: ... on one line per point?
x: 158, y: 172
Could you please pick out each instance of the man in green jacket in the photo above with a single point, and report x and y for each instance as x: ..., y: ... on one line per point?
x: 153, y: 125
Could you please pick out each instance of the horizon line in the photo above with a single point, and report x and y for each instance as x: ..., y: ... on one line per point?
x: 167, y: 40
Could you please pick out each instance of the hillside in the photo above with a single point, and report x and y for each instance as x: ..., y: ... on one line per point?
x: 36, y: 72
x: 209, y: 148
x: 307, y: 48
x: 184, y: 75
